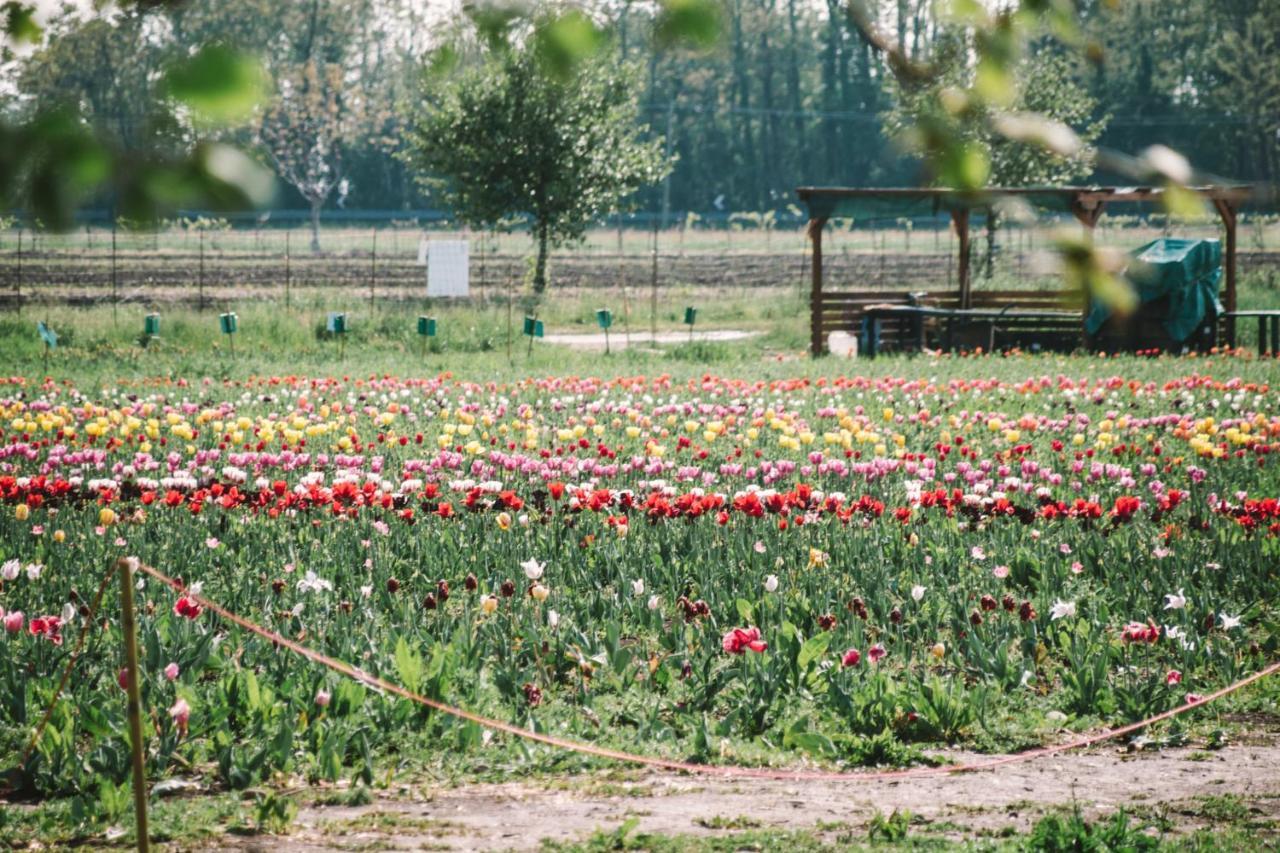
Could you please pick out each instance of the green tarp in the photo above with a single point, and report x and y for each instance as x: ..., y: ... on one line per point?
x: 1186, y: 271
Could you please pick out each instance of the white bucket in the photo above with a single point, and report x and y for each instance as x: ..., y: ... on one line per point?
x: 842, y: 344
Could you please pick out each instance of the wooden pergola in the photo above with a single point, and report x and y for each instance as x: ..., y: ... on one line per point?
x: 1085, y: 203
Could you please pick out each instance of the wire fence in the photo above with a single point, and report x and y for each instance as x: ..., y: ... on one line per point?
x: 208, y: 261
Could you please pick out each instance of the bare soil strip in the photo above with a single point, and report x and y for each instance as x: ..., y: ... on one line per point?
x: 519, y: 815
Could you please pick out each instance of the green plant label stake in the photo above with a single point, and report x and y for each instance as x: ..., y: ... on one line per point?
x: 337, y: 325
x: 426, y: 329
x: 50, y: 339
x: 532, y: 329
x: 151, y: 325
x: 604, y: 318
x: 690, y: 317
x: 229, y: 325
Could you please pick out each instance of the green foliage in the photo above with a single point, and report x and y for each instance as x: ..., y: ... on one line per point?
x: 1072, y: 833
x: 220, y: 84
x: 531, y: 132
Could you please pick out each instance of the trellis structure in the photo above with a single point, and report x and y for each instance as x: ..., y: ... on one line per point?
x: 832, y: 311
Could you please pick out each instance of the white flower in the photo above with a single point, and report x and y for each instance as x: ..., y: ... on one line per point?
x: 297, y: 610
x: 1062, y: 610
x: 1229, y: 622
x: 9, y: 571
x: 313, y: 583
x: 553, y: 619
x: 637, y: 586
x: 33, y: 571
x: 917, y: 593
x: 366, y: 591
x: 68, y: 614
x: 655, y: 602
x: 1175, y: 601
x: 196, y: 588
x: 771, y: 583
x: 533, y: 569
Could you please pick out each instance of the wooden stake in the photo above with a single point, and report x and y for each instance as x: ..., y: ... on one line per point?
x: 125, y: 567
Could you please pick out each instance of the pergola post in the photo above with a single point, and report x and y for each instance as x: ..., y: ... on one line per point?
x: 960, y: 219
x: 817, y: 343
x: 1227, y: 210
x: 1088, y: 212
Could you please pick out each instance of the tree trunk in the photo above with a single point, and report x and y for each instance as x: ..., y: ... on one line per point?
x: 540, y: 268
x: 315, y: 225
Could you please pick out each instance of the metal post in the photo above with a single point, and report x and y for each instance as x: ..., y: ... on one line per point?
x: 373, y: 266
x: 287, y: 271
x: 201, y: 270
x: 17, y: 285
x: 653, y: 286
x: 817, y: 344
x: 115, y: 293
x: 125, y: 567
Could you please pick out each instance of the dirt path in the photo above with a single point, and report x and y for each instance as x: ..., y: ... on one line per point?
x: 620, y: 340
x: 519, y: 815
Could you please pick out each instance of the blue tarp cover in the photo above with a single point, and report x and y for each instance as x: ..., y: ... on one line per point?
x: 1186, y: 271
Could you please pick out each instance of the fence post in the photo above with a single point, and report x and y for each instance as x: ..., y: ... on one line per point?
x: 17, y: 285
x: 201, y: 274
x: 115, y: 296
x: 125, y: 567
x: 653, y: 287
x: 287, y: 302
x: 373, y: 266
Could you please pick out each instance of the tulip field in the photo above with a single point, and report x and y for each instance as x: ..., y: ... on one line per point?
x: 823, y: 570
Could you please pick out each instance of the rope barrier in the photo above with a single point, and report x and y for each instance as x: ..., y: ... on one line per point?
x: 85, y: 624
x: 726, y: 771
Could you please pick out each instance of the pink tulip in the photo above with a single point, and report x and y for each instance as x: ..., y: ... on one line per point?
x: 13, y: 621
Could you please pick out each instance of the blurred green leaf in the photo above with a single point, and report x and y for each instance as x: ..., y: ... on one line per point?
x: 970, y: 12
x: 493, y: 18
x: 441, y: 61
x: 1182, y: 202
x: 695, y: 22
x: 1162, y: 162
x: 232, y: 178
x: 563, y: 42
x: 1097, y: 272
x: 219, y: 83
x: 962, y: 165
x: 20, y: 23
x: 1038, y: 130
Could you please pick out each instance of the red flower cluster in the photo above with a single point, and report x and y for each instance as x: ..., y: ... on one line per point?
x: 187, y: 607
x: 1136, y: 632
x: 739, y: 640
x: 49, y: 627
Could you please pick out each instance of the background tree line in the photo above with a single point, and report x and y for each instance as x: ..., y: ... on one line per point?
x: 789, y: 94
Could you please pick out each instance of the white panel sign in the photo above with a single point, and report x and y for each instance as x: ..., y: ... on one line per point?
x: 447, y: 268
x: 422, y: 252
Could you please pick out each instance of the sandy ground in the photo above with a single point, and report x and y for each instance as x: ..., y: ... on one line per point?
x: 519, y: 815
x: 620, y: 340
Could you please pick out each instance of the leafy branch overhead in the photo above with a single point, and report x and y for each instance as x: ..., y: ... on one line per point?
x: 53, y: 161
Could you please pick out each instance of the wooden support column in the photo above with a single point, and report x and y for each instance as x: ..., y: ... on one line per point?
x: 960, y: 219
x: 817, y: 336
x: 1227, y: 210
x: 1087, y: 212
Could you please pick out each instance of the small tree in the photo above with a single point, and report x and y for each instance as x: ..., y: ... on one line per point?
x: 511, y: 137
x: 306, y: 129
